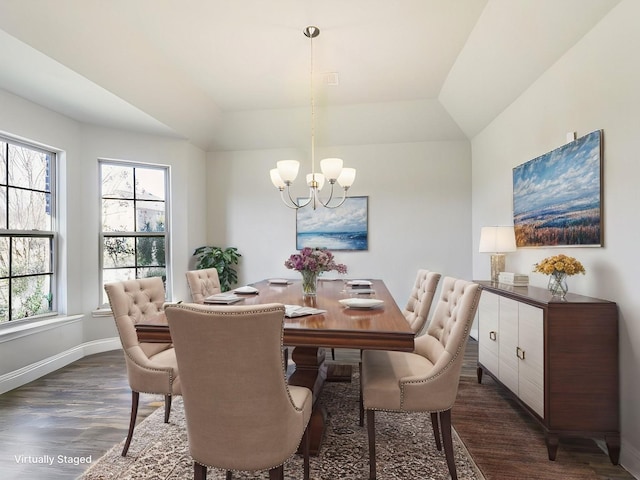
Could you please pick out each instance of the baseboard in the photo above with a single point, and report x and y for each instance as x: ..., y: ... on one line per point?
x: 32, y: 372
x: 630, y: 458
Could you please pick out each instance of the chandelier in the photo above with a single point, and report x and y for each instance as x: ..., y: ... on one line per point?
x: 332, y: 170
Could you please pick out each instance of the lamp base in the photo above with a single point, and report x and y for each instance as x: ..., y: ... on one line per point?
x: 497, y: 266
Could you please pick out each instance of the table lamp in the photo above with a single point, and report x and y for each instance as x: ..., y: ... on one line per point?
x: 497, y: 240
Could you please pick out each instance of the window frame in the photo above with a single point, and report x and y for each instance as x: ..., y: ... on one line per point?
x: 52, y: 235
x: 166, y: 169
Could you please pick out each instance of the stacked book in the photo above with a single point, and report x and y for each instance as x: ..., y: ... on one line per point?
x: 225, y: 298
x: 515, y: 279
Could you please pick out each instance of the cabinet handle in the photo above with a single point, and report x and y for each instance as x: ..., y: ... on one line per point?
x: 492, y: 335
x: 520, y: 353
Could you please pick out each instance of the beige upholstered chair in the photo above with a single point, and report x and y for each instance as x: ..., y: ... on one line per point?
x: 203, y: 283
x: 417, y: 310
x: 151, y: 367
x: 427, y: 379
x: 241, y: 414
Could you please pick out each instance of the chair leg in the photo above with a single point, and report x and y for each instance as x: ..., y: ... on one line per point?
x: 277, y: 473
x: 333, y: 354
x: 371, y: 429
x: 199, y: 471
x: 305, y: 453
x: 167, y: 408
x: 445, y: 424
x: 435, y: 423
x: 135, y: 397
x: 361, y: 423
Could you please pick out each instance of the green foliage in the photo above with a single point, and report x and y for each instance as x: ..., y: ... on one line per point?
x: 220, y: 259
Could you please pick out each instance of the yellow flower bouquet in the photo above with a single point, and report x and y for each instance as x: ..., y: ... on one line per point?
x: 559, y: 264
x: 558, y: 268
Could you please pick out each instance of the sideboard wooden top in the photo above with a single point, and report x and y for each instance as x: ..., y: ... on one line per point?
x: 537, y: 295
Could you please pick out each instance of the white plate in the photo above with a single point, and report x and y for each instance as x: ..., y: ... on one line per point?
x: 363, y: 283
x: 279, y: 281
x: 361, y: 302
x: 247, y: 289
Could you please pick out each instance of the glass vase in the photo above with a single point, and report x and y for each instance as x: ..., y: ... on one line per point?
x: 309, y: 283
x: 558, y: 284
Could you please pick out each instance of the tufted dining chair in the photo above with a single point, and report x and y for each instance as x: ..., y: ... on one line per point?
x: 151, y: 367
x: 203, y: 283
x: 417, y: 310
x: 241, y: 413
x: 427, y: 379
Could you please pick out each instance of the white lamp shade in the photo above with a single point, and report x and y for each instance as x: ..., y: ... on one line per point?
x: 347, y: 177
x: 497, y: 239
x: 331, y: 167
x: 288, y: 170
x: 319, y: 179
x: 276, y: 179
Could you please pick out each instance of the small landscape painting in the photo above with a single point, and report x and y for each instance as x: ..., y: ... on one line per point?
x: 342, y: 228
x: 557, y: 197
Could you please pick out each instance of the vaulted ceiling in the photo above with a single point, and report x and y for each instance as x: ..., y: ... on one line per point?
x: 235, y: 74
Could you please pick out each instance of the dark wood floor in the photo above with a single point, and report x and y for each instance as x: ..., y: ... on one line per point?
x: 83, y: 409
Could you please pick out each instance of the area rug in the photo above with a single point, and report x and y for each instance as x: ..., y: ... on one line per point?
x: 405, y: 447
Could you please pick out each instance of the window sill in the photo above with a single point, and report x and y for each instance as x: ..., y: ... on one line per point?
x: 102, y: 312
x: 10, y: 331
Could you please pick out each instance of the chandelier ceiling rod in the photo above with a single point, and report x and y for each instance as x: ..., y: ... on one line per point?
x: 332, y: 170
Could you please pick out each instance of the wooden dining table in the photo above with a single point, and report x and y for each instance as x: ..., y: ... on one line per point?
x: 381, y: 328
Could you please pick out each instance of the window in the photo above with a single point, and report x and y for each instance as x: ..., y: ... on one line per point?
x: 134, y: 237
x: 27, y: 231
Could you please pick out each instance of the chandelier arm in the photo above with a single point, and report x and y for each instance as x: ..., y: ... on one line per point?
x: 324, y: 204
x: 291, y: 203
x: 342, y: 200
x: 287, y: 203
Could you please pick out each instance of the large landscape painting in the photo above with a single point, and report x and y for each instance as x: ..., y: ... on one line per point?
x: 557, y: 196
x: 342, y: 228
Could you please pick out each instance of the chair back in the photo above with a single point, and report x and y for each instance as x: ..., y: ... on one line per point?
x: 239, y: 410
x: 417, y: 310
x: 141, y: 301
x: 444, y: 343
x: 203, y: 283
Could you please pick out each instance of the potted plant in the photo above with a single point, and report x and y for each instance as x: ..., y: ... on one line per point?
x: 220, y: 259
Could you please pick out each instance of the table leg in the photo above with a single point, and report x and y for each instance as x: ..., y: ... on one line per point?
x: 311, y: 372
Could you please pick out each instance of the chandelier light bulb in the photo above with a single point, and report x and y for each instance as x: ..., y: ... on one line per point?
x: 276, y: 179
x: 288, y: 170
x: 331, y: 167
x: 318, y: 177
x: 347, y: 177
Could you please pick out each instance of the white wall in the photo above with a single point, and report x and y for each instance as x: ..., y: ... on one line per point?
x: 36, y: 351
x: 594, y: 86
x: 419, y: 210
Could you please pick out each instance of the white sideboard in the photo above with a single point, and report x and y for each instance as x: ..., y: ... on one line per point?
x: 559, y: 358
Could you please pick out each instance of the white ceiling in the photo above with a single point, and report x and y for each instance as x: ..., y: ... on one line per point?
x: 234, y: 74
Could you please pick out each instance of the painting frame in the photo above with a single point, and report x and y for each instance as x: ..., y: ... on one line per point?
x: 345, y: 228
x: 557, y: 197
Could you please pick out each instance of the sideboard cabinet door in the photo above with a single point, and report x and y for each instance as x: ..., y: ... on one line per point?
x: 531, y: 357
x: 488, y: 311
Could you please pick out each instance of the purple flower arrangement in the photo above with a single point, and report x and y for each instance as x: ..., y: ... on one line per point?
x: 316, y: 260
